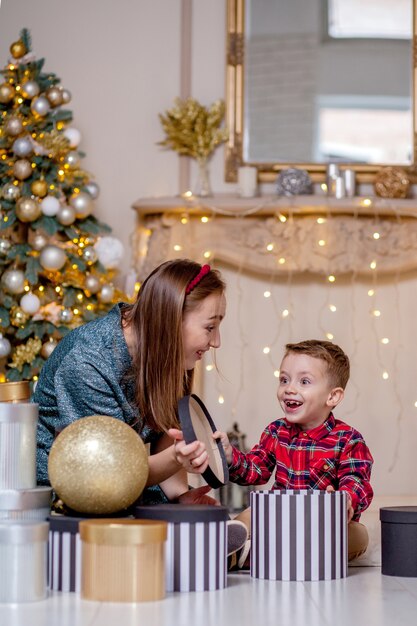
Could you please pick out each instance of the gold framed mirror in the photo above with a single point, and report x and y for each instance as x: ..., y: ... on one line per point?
x: 300, y: 82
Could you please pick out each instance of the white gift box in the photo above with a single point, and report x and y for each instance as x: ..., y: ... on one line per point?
x: 25, y: 504
x: 23, y: 561
x: 18, y: 423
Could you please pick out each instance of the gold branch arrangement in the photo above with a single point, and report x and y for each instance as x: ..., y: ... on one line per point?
x: 192, y: 129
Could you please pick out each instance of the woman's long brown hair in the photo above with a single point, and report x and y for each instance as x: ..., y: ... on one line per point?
x: 156, y: 322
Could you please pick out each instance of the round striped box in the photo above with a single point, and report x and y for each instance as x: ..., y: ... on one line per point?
x: 299, y: 535
x: 196, y: 545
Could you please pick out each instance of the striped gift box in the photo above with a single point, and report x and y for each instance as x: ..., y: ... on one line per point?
x: 299, y: 535
x: 196, y: 545
x: 64, y: 553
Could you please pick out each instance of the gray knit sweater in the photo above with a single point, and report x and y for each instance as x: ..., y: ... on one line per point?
x: 86, y: 375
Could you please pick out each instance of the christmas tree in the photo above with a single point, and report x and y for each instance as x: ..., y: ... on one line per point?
x: 56, y: 265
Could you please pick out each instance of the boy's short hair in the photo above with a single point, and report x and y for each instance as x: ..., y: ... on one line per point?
x: 337, y: 361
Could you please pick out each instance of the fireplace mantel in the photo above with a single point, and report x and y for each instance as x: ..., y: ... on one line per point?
x: 276, y: 235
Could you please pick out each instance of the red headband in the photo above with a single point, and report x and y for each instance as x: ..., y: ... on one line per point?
x: 193, y: 283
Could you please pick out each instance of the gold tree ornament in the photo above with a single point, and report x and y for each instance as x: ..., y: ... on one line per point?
x: 195, y: 131
x: 18, y: 49
x: 39, y: 188
x: 53, y: 143
x: 7, y: 93
x: 25, y: 353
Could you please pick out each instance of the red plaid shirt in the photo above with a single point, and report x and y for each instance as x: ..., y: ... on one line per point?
x: 330, y: 454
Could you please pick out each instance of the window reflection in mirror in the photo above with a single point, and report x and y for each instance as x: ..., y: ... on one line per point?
x: 382, y: 19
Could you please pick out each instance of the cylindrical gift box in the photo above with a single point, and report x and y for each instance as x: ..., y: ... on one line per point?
x: 123, y: 560
x: 25, y: 504
x: 16, y: 391
x: 64, y: 553
x: 18, y: 422
x: 399, y: 540
x: 298, y: 535
x: 196, y: 550
x: 23, y: 561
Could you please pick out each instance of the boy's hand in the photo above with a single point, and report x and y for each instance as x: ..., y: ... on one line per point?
x: 193, y: 456
x: 227, y: 447
x: 350, y: 510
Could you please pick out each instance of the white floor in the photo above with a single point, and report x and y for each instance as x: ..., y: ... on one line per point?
x: 365, y: 597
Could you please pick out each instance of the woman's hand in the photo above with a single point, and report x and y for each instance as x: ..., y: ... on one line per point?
x: 197, y: 496
x: 193, y: 456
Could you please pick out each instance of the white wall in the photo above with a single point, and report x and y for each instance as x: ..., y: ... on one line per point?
x: 121, y: 62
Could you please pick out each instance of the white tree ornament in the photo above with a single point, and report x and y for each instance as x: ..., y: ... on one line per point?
x: 110, y: 251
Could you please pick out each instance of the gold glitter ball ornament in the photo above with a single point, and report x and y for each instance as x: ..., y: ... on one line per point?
x: 98, y: 465
x: 391, y: 182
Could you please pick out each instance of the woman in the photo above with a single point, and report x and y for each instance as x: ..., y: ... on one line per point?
x: 135, y: 364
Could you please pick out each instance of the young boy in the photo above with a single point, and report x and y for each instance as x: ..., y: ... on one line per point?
x: 309, y: 448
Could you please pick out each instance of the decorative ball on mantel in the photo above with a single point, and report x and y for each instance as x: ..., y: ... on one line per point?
x: 391, y: 182
x: 294, y: 182
x: 98, y: 465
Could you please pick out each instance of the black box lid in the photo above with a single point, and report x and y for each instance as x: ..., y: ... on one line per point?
x: 177, y: 513
x: 197, y: 424
x: 398, y: 514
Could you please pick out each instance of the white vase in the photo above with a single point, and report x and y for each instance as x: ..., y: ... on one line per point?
x: 203, y: 187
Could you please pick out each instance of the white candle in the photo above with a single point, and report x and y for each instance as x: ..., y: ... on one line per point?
x: 247, y: 181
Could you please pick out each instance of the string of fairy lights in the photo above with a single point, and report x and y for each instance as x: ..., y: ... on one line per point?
x: 330, y: 312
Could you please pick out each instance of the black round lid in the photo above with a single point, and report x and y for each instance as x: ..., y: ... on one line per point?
x: 398, y: 514
x: 196, y: 424
x: 177, y: 513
